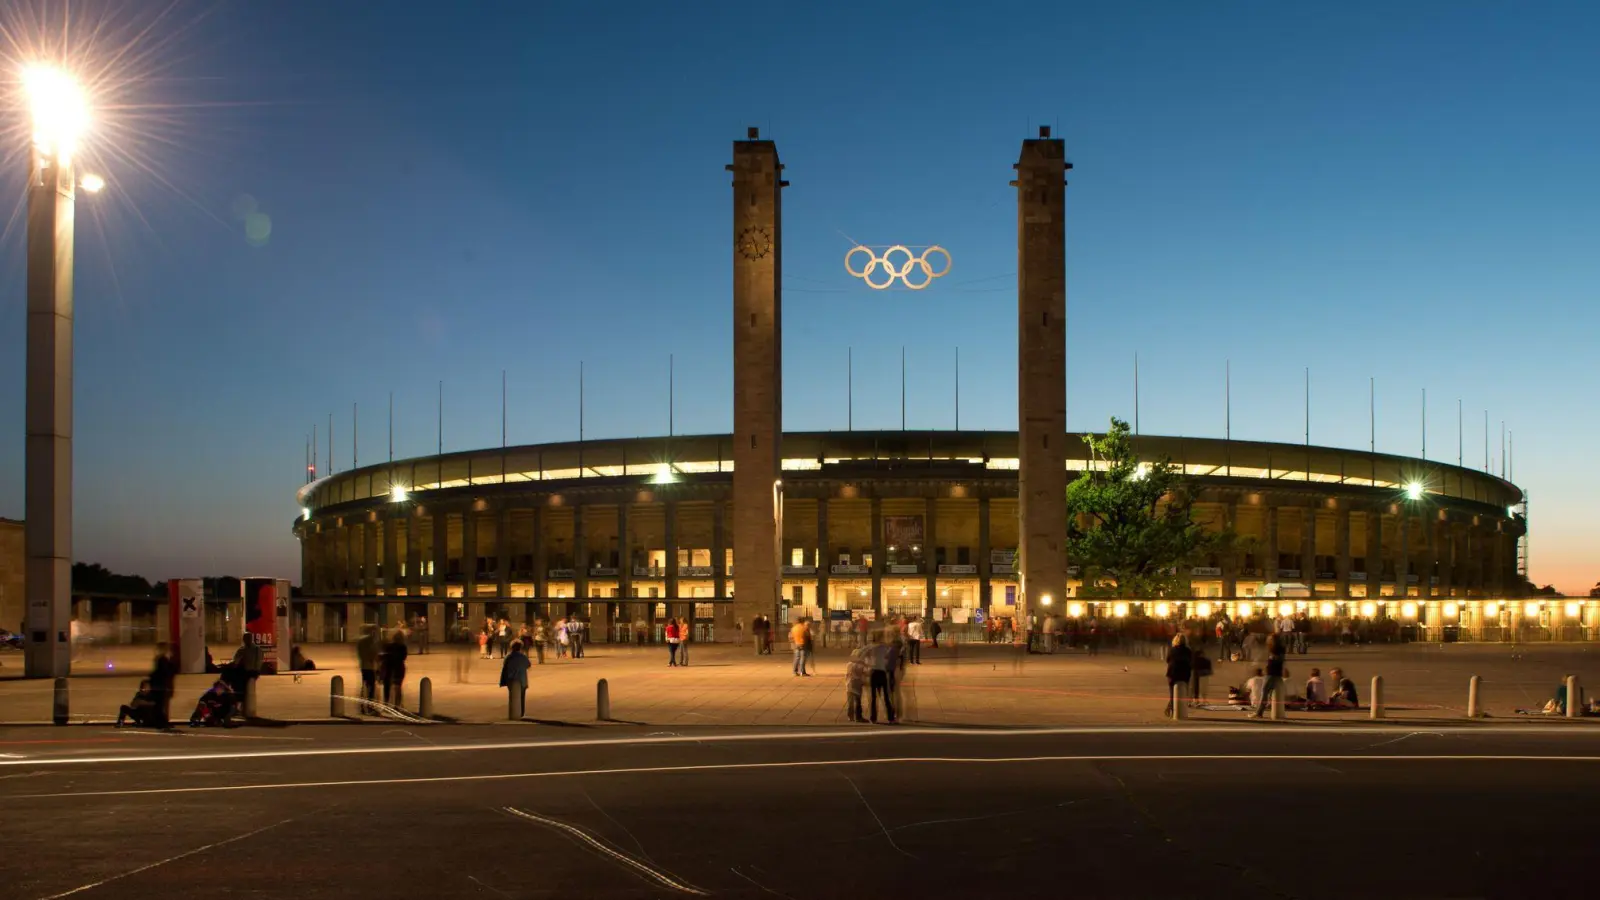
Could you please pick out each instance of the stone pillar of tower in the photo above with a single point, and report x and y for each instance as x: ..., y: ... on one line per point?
x: 757, y: 373
x: 1041, y: 370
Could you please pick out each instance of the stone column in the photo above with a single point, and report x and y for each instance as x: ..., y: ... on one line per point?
x: 436, y: 632
x: 316, y: 623
x: 1308, y: 546
x: 671, y: 541
x: 391, y: 554
x: 580, y: 555
x: 1445, y: 541
x: 125, y: 633
x: 1342, y: 548
x: 1041, y: 369
x: 1374, y: 553
x: 355, y: 535
x: 757, y: 372
x: 502, y: 544
x: 413, y: 576
x: 1230, y: 564
x: 369, y: 558
x: 719, y: 558
x: 624, y: 553
x: 1402, y: 557
x: 469, y: 552
x: 1497, y: 566
x: 824, y: 557
x: 1269, y: 568
x: 877, y: 555
x: 1429, y: 525
x: 985, y: 573
x: 930, y: 558
x: 308, y: 559
x: 441, y: 552
x: 541, y: 573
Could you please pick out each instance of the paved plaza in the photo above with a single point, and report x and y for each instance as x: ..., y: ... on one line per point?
x: 727, y: 685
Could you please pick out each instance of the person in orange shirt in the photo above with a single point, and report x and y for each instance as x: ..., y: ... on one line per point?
x: 799, y: 637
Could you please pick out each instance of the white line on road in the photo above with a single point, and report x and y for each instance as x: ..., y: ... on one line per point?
x: 170, y: 859
x: 649, y: 872
x: 1250, y: 759
x: 853, y: 734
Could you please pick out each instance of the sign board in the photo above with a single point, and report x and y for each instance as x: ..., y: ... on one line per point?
x: 904, y: 570
x: 261, y: 619
x: 958, y: 570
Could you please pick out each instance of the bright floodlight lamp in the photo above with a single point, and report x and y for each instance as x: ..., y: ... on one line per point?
x: 1162, y: 610
x: 1074, y: 609
x: 1045, y: 599
x: 1573, y: 609
x: 1203, y: 609
x: 92, y: 183
x: 1369, y: 609
x: 1245, y: 609
x: 397, y: 494
x: 1414, y: 490
x: 60, y: 111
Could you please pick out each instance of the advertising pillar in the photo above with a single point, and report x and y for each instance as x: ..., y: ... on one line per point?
x: 186, y: 624
x: 284, y: 629
x: 261, y: 620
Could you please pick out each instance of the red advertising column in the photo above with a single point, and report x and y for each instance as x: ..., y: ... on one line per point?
x: 261, y: 620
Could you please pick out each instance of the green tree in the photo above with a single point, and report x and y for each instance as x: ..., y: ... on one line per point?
x: 1130, y: 523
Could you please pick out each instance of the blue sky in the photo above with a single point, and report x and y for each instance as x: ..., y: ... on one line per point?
x: 1399, y: 191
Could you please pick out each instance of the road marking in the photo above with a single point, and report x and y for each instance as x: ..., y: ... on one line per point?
x: 1240, y: 730
x: 653, y: 874
x: 814, y: 763
x: 170, y: 859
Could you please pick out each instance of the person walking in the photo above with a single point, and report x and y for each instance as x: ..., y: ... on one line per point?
x: 392, y: 668
x: 1200, y: 674
x: 672, y: 642
x: 855, y: 679
x: 1276, y: 671
x: 575, y: 630
x: 914, y: 632
x: 934, y: 629
x: 541, y: 634
x: 1179, y: 669
x: 483, y: 642
x: 563, y: 639
x: 810, y: 646
x: 367, y: 651
x: 885, y: 657
x: 758, y: 629
x: 503, y: 633
x: 422, y: 634
x: 684, y: 632
x: 514, y: 676
x: 163, y: 683
x: 797, y: 640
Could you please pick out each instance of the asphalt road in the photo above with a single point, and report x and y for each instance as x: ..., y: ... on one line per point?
x: 523, y: 811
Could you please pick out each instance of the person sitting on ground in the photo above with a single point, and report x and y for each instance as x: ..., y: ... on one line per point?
x: 216, y: 706
x: 1344, y: 691
x: 142, y: 709
x: 1316, y: 691
x: 1254, y: 685
x: 298, y: 662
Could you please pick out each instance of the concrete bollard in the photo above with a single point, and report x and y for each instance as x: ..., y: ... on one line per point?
x: 58, y: 713
x: 425, y: 698
x: 1472, y: 697
x: 336, y: 697
x: 1180, y: 701
x: 1574, y: 698
x: 514, y: 704
x: 1377, y: 696
x: 1276, y: 712
x: 249, y: 706
x: 602, y: 700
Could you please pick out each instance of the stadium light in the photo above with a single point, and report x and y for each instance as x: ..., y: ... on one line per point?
x: 1203, y: 610
x: 1414, y: 490
x: 397, y: 494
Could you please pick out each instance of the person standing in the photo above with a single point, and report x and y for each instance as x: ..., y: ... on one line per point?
x: 797, y: 640
x: 503, y: 633
x: 1200, y: 673
x: 563, y: 638
x: 1274, y: 676
x: 884, y: 659
x: 810, y: 647
x: 935, y: 629
x: 684, y: 632
x: 757, y: 627
x: 914, y: 632
x: 738, y: 633
x: 514, y: 675
x: 163, y: 682
x: 392, y: 668
x: 541, y: 634
x: 1179, y: 669
x: 422, y: 634
x: 575, y: 629
x: 367, y: 651
x: 672, y: 642
x: 855, y: 679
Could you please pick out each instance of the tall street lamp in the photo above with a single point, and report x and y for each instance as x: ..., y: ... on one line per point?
x: 60, y: 114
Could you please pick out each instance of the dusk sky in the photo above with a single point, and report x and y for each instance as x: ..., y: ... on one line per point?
x: 1405, y: 191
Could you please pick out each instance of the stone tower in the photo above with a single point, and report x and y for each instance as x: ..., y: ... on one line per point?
x: 757, y: 375
x: 1041, y: 373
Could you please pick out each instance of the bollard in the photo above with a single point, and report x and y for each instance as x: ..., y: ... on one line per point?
x: 59, y: 712
x: 336, y: 697
x: 425, y: 698
x: 1574, y: 700
x: 1276, y: 713
x: 602, y: 700
x: 1180, y: 700
x: 514, y: 703
x: 249, y: 698
x: 1472, y: 697
x: 1377, y: 696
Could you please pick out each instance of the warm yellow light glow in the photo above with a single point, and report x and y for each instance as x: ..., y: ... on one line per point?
x: 1408, y: 610
x: 1301, y: 604
x: 1203, y: 610
x: 1369, y: 609
x: 1531, y: 608
x: 1450, y: 610
x: 397, y: 494
x: 1414, y: 490
x: 305, y: 513
x: 1074, y: 609
x: 1162, y: 610
x: 1572, y: 610
x: 1119, y: 610
x: 1326, y: 610
x: 1045, y: 599
x: 1245, y: 609
x: 92, y: 183
x: 60, y: 110
x: 1285, y: 608
x: 1492, y: 610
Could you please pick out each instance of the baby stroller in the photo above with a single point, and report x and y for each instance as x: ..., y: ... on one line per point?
x: 215, y: 708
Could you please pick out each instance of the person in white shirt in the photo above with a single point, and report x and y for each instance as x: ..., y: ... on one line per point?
x: 914, y: 641
x: 1255, y: 685
x: 1316, y: 690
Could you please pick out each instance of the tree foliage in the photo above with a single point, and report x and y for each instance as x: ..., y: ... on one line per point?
x: 93, y: 578
x: 1130, y: 523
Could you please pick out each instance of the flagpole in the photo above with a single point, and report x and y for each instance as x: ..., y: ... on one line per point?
x: 902, y: 387
x: 355, y: 438
x: 391, y: 426
x: 1227, y: 413
x: 671, y: 377
x: 1136, y: 392
x: 332, y: 467
x: 850, y: 389
x: 958, y: 388
x: 441, y: 417
x: 1424, y: 423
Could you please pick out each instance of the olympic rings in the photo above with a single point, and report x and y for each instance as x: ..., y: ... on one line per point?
x: 897, y: 271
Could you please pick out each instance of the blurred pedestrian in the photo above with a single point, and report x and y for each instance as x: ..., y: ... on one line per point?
x: 797, y: 641
x: 514, y: 675
x: 144, y: 709
x: 541, y: 635
x: 1276, y: 672
x: 163, y: 683
x: 392, y: 669
x: 685, y: 631
x: 885, y: 658
x: 422, y: 634
x: 368, y: 650
x: 855, y: 679
x: 914, y: 632
x: 576, y: 633
x: 1200, y: 674
x: 1179, y: 669
x: 672, y: 642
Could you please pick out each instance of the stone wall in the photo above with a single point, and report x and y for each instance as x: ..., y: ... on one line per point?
x: 12, y: 604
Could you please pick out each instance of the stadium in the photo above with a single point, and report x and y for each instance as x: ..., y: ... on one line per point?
x: 629, y: 532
